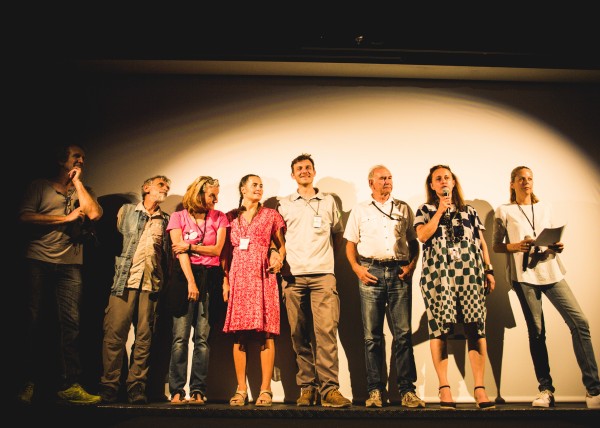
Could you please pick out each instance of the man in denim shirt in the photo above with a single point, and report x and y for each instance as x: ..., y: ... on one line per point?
x: 140, y: 273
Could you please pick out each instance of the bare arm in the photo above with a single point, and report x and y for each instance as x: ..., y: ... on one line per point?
x: 489, y: 275
x: 186, y: 266
x: 36, y: 218
x: 426, y: 231
x: 205, y: 250
x: 87, y: 203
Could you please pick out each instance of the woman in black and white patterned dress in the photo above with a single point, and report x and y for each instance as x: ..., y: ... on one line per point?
x: 455, y: 279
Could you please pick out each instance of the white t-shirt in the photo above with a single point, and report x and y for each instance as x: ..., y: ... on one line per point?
x: 512, y: 224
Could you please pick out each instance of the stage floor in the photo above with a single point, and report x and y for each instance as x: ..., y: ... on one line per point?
x: 221, y: 414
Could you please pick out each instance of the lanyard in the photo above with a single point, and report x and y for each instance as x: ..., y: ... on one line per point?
x: 204, y: 230
x: 384, y: 213
x: 311, y: 207
x: 531, y: 223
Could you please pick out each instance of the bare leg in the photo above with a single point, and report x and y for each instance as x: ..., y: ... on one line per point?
x: 477, y: 353
x: 267, y: 363
x: 239, y: 361
x: 439, y: 354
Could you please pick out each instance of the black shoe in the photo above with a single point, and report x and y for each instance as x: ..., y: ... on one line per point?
x: 136, y: 394
x: 109, y: 395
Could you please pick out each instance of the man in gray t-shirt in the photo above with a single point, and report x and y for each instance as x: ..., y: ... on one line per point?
x: 313, y: 222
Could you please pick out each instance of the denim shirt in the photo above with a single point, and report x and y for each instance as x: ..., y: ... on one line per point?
x: 132, y: 226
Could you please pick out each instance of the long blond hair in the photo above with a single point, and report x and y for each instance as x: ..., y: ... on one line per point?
x: 193, y: 199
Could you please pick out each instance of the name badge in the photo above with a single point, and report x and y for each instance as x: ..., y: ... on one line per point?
x: 244, y: 242
x: 317, y: 221
x: 455, y: 254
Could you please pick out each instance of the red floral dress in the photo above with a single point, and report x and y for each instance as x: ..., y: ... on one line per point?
x: 254, y: 294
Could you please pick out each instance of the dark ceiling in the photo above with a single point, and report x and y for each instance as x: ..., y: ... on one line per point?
x: 555, y: 39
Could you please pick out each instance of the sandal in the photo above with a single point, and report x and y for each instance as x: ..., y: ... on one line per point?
x: 240, y: 398
x: 448, y: 405
x: 484, y: 404
x: 178, y: 398
x: 264, y: 399
x: 197, y: 398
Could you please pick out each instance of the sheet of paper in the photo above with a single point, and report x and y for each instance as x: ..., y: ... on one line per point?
x: 549, y: 236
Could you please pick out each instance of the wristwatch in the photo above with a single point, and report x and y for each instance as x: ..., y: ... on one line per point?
x: 488, y: 269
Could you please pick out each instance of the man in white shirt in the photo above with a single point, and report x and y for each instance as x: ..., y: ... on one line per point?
x: 383, y: 250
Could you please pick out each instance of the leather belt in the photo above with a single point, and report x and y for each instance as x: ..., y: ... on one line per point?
x: 384, y: 262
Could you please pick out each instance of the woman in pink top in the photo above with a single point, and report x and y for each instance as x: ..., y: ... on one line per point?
x: 198, y: 233
x: 250, y: 284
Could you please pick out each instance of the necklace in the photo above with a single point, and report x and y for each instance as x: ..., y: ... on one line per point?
x: 454, y: 234
x: 532, y: 221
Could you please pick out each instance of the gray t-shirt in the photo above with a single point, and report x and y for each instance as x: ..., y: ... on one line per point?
x: 52, y: 243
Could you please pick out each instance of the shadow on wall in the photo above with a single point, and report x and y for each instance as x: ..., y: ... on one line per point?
x: 499, y: 312
x: 99, y: 271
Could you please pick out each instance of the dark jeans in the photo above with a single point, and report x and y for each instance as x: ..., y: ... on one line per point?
x: 65, y: 284
x: 395, y: 296
x: 561, y: 296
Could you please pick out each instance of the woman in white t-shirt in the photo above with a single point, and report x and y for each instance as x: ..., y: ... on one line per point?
x: 534, y: 270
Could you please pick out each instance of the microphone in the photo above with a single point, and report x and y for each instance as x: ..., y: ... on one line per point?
x: 446, y: 192
x: 526, y: 256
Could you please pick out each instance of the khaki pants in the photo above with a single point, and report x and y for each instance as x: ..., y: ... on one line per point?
x: 313, y: 305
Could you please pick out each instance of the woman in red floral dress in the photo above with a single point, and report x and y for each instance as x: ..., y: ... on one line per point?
x: 250, y: 285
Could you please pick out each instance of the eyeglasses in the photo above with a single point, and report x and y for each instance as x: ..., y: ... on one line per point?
x: 210, y: 182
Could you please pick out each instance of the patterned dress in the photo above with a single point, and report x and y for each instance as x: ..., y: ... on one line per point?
x: 254, y: 294
x: 452, y: 278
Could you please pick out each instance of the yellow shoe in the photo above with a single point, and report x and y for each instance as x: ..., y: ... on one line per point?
x: 75, y: 394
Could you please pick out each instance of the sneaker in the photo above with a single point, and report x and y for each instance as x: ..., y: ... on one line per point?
x: 308, y: 397
x: 374, y: 399
x: 592, y: 401
x: 334, y: 398
x: 26, y: 394
x: 136, y: 394
x: 109, y: 395
x: 544, y: 399
x: 410, y: 399
x: 75, y: 394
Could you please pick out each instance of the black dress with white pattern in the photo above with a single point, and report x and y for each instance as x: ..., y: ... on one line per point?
x: 452, y: 278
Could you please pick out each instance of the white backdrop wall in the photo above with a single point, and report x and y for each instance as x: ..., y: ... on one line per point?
x: 138, y: 126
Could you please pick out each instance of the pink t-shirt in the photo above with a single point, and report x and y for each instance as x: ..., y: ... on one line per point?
x: 205, y: 233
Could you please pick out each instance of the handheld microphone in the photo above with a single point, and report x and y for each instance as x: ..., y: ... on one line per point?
x: 526, y: 256
x: 446, y: 192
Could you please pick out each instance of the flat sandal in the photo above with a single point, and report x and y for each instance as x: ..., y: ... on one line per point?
x: 261, y: 401
x: 240, y: 398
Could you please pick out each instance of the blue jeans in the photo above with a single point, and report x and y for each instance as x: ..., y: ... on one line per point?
x: 561, y: 296
x: 394, y: 295
x: 197, y: 317
x: 64, y: 281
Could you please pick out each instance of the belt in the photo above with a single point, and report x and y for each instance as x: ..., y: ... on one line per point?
x: 384, y: 262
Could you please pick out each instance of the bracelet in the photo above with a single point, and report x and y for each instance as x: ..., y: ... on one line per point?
x: 273, y: 250
x: 489, y: 271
